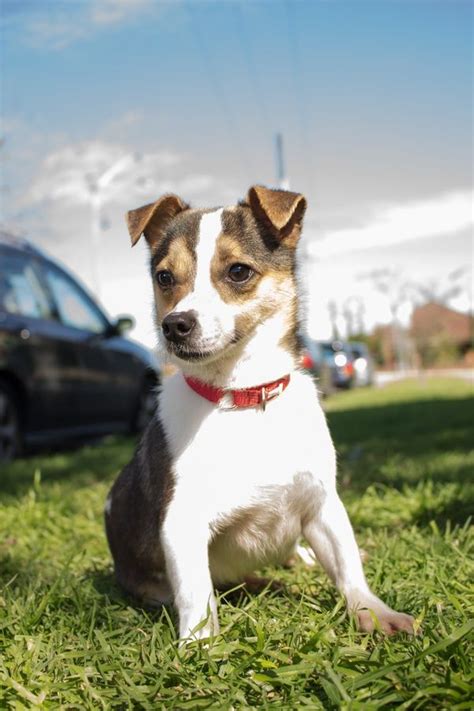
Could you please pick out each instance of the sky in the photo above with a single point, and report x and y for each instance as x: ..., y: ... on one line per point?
x: 373, y: 100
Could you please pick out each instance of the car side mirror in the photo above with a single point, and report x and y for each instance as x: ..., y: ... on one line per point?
x: 122, y: 324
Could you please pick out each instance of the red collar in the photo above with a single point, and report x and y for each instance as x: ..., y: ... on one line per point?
x: 246, y: 397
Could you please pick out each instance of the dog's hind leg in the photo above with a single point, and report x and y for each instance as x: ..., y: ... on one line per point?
x: 303, y: 554
x: 330, y: 535
x: 306, y: 556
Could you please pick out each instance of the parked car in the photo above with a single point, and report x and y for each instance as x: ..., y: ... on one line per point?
x: 313, y: 361
x: 364, y: 367
x: 338, y: 359
x: 65, y: 369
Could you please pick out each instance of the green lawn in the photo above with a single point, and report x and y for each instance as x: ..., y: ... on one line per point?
x: 70, y: 639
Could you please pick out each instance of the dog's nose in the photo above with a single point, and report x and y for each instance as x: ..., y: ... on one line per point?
x: 178, y: 326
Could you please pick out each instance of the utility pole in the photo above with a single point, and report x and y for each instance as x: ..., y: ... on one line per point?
x: 281, y: 177
x: 95, y: 190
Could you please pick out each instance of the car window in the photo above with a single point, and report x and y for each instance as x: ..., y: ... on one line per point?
x: 21, y: 292
x: 327, y: 352
x: 74, y: 307
x: 314, y: 349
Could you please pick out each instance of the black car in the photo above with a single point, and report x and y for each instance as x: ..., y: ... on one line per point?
x: 65, y: 369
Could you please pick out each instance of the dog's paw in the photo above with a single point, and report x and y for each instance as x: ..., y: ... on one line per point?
x: 203, y: 634
x: 205, y: 629
x: 255, y: 584
x: 374, y: 614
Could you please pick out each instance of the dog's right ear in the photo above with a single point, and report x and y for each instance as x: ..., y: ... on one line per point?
x: 151, y: 219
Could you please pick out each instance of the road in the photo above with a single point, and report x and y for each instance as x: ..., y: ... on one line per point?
x: 391, y: 376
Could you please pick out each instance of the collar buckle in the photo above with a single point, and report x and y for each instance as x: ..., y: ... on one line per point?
x: 266, y: 396
x: 227, y: 401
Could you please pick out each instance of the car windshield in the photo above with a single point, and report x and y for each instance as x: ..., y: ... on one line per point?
x: 20, y: 290
x: 358, y: 350
x: 329, y: 350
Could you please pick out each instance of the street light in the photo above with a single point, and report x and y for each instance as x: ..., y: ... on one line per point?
x: 96, y: 189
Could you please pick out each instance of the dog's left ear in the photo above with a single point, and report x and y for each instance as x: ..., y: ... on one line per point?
x: 281, y: 210
x: 151, y: 219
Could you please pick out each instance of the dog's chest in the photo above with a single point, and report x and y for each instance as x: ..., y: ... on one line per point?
x: 225, y: 461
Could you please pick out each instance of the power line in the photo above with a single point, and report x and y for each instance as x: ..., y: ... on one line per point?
x: 219, y: 94
x: 252, y: 67
x: 306, y: 149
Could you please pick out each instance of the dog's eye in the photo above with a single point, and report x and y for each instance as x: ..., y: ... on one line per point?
x: 164, y: 278
x: 240, y: 273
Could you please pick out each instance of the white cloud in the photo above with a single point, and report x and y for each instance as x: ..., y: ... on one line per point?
x: 102, y: 173
x: 59, y: 25
x: 111, y: 12
x: 76, y: 172
x: 445, y: 214
x: 387, y: 243
x: 118, y: 125
x: 54, y: 33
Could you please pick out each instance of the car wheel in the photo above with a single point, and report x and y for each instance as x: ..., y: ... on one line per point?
x: 146, y: 407
x: 10, y: 432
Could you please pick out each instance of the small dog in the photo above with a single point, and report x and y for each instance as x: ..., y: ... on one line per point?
x: 238, y: 462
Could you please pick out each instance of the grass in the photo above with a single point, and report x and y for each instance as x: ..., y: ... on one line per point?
x: 70, y: 639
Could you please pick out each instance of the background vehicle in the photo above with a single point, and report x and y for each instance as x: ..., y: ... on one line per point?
x: 65, y: 369
x: 338, y: 360
x: 364, y: 368
x: 314, y: 362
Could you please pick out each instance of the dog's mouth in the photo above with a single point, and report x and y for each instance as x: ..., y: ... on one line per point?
x: 190, y: 354
x: 186, y: 354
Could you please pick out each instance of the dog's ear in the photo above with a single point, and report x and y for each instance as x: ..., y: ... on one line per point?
x: 281, y: 210
x: 151, y: 219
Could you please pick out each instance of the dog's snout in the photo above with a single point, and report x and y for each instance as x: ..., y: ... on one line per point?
x: 177, y: 327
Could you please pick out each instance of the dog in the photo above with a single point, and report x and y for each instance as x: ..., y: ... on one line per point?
x: 238, y: 462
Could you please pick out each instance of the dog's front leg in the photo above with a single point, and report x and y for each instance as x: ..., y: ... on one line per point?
x: 185, y: 544
x: 330, y: 535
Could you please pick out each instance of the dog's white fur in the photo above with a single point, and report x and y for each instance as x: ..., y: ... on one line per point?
x: 257, y: 361
x: 267, y: 478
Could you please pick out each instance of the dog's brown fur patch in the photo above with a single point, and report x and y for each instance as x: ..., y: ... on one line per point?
x: 139, y: 499
x: 179, y: 260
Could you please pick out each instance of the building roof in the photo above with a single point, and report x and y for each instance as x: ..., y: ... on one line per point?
x: 433, y: 318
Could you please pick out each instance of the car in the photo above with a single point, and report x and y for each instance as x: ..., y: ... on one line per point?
x: 338, y: 359
x: 364, y: 368
x: 66, y: 370
x: 313, y: 361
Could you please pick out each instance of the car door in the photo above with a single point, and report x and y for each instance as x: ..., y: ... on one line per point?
x: 99, y: 399
x: 47, y: 368
x: 130, y: 372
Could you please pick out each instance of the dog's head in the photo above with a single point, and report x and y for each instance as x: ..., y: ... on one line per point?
x: 218, y: 274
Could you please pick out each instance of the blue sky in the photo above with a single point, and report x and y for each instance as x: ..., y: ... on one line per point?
x: 373, y: 100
